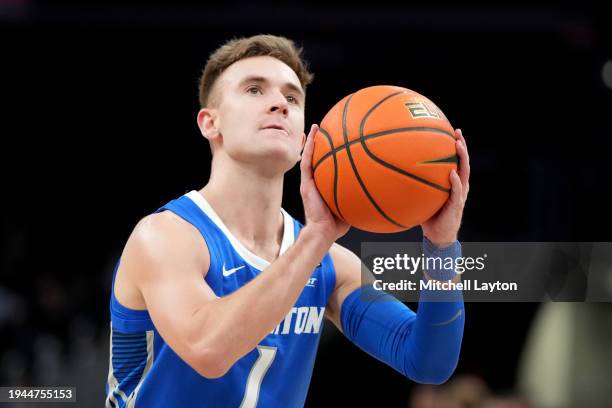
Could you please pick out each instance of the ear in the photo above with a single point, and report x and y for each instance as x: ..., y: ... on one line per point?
x: 207, y: 122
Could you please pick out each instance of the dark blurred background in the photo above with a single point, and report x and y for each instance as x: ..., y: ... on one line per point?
x: 98, y: 130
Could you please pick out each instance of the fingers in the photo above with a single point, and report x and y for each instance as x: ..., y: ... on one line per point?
x: 306, y: 161
x: 456, y: 197
x: 464, y: 159
x: 459, y: 134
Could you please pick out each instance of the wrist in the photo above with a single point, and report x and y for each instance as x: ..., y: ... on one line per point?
x: 318, y: 236
x: 440, y: 242
x: 442, y: 271
x: 452, y: 249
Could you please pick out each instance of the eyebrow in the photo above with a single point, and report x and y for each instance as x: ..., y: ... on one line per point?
x: 263, y: 80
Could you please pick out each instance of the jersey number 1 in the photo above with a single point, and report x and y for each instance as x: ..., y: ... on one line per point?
x: 253, y: 384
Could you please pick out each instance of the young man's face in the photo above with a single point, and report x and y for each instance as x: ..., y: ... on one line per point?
x: 260, y: 113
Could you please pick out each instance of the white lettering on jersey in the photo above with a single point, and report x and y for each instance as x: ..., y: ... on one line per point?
x: 312, y: 283
x: 301, y: 320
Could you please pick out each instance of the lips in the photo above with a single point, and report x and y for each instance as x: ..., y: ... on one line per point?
x: 276, y: 126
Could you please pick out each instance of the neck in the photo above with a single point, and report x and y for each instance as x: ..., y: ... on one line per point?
x: 249, y: 205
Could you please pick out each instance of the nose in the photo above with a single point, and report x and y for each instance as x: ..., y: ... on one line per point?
x: 279, y: 105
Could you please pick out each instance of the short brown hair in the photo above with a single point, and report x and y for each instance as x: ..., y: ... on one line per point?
x: 237, y: 49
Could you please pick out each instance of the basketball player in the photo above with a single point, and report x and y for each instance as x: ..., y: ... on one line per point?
x: 219, y: 297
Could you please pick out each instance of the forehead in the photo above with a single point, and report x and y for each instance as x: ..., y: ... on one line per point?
x: 272, y: 69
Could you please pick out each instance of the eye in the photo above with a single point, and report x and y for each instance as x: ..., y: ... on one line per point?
x: 254, y: 90
x: 292, y: 99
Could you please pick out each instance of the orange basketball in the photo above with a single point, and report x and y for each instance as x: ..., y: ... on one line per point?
x: 383, y: 157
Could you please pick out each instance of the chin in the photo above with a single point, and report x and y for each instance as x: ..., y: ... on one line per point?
x: 278, y: 156
x: 281, y: 156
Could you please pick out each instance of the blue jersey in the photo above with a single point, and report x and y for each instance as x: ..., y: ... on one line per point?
x: 145, y: 372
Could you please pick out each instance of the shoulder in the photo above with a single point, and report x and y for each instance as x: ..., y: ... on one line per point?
x: 160, y: 247
x: 164, y: 239
x: 166, y: 227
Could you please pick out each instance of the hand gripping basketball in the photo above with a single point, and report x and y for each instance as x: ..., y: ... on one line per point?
x: 317, y: 214
x: 442, y: 228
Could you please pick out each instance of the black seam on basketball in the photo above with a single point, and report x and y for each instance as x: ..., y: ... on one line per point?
x: 442, y: 160
x: 331, y: 145
x: 384, y: 163
x: 377, y: 104
x: 379, y: 134
x: 350, y: 157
